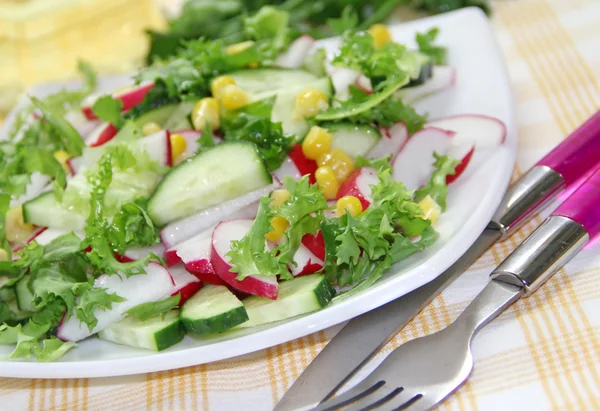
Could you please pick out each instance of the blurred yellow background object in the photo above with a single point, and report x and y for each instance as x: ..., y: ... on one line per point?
x: 41, y: 40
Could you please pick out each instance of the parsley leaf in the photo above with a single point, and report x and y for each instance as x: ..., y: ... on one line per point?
x: 425, y: 41
x: 149, y: 310
x: 71, y: 140
x: 437, y: 188
x: 348, y: 20
x: 253, y: 123
x: 109, y: 109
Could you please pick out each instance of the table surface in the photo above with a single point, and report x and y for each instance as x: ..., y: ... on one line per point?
x: 543, y: 353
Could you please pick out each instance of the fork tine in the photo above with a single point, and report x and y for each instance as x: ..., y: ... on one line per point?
x: 362, y: 390
x: 376, y: 400
x: 407, y: 401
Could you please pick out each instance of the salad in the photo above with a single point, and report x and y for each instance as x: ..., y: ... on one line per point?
x: 233, y: 185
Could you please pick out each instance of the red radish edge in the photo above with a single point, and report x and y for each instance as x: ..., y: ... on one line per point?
x: 169, y: 160
x: 350, y: 187
x: 105, y: 135
x: 172, y: 258
x: 431, y: 123
x: 129, y: 98
x: 315, y: 244
x: 304, y: 165
x: 187, y: 291
x: 461, y: 167
x: 250, y: 284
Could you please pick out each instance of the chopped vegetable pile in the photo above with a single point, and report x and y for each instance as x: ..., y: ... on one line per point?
x: 238, y: 182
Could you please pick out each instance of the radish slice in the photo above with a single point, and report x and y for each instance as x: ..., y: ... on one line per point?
x: 315, y: 244
x: 195, y: 253
x: 442, y: 78
x: 414, y: 163
x: 358, y: 184
x: 131, y: 97
x: 296, y: 53
x: 243, y: 207
x: 186, y: 285
x: 79, y: 121
x: 49, y: 234
x: 297, y: 165
x: 473, y: 129
x: 223, y: 235
x: 191, y: 141
x: 341, y: 78
x: 102, y: 134
x: 157, y: 145
x: 364, y: 83
x: 390, y: 142
x: 75, y: 164
x: 306, y: 262
x: 155, y: 285
x: 141, y: 253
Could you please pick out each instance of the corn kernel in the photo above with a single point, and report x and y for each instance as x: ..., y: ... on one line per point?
x: 238, y: 47
x: 17, y: 231
x: 381, y: 35
x: 206, y: 109
x: 151, y: 128
x: 178, y: 146
x: 311, y: 102
x: 3, y: 254
x: 316, y: 143
x: 279, y: 197
x: 350, y: 204
x: 233, y: 97
x: 62, y: 157
x: 327, y: 182
x: 219, y: 83
x: 340, y: 162
x: 279, y: 225
x: 431, y: 209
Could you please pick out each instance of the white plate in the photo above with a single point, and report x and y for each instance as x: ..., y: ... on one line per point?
x: 482, y: 87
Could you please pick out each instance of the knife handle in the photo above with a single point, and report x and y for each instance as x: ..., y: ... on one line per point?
x: 572, y: 159
x: 578, y: 153
x: 560, y: 237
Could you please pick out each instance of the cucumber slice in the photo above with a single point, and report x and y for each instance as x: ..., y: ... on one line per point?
x: 355, y: 139
x: 24, y: 294
x: 213, y: 309
x: 264, y: 81
x: 157, y: 333
x: 218, y: 174
x: 45, y: 211
x: 180, y: 118
x: 284, y: 108
x: 298, y: 296
x: 159, y: 115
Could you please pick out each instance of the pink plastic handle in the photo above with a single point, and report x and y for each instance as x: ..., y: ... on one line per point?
x: 578, y: 153
x: 583, y: 206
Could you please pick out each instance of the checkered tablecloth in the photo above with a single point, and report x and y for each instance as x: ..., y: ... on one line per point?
x: 541, y: 354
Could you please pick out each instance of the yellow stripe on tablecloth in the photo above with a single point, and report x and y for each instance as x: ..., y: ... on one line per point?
x: 203, y: 371
x: 31, y: 397
x: 269, y: 352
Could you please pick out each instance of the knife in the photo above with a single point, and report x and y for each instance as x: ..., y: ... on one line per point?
x: 364, y: 336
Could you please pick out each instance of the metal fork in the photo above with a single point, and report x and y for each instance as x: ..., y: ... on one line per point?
x: 424, y: 371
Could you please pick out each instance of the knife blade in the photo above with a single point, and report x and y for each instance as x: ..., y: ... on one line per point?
x: 362, y: 337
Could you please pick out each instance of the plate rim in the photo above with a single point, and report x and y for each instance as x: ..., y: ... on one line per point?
x: 232, y: 348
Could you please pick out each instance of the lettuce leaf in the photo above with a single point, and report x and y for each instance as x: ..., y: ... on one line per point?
x: 149, y: 310
x: 426, y: 44
x: 436, y: 187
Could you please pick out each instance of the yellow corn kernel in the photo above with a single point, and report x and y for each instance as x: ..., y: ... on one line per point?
x: 381, y: 35
x: 219, y: 83
x: 238, y: 47
x: 316, y: 143
x: 311, y: 102
x: 3, y: 254
x: 17, y: 231
x: 233, y: 97
x: 279, y: 225
x: 62, y: 157
x: 328, y: 183
x: 178, y: 146
x: 431, y: 209
x: 340, y: 162
x: 206, y: 109
x: 350, y: 204
x: 150, y: 128
x: 279, y: 197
